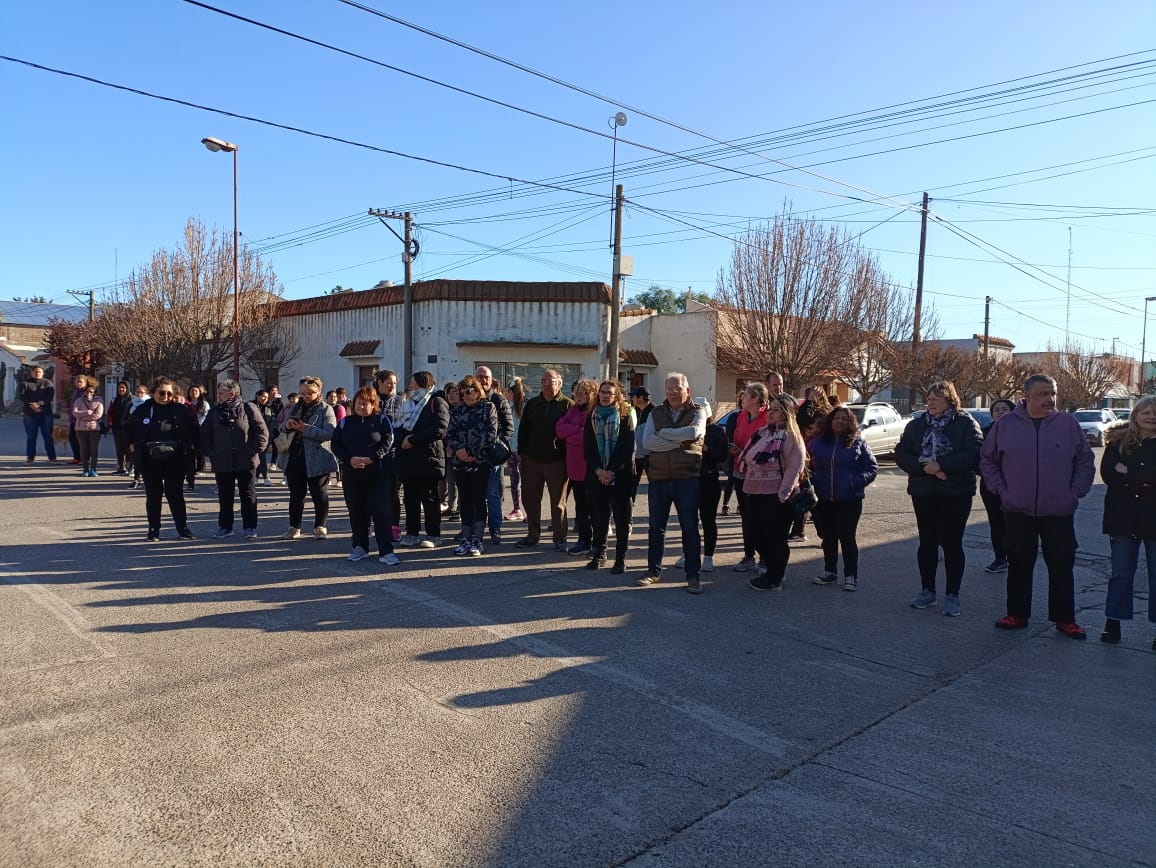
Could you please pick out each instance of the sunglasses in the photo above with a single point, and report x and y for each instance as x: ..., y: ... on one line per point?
x: 170, y: 394
x: 469, y: 389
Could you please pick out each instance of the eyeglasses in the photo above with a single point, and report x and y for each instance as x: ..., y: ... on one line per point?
x: 168, y: 394
x: 468, y: 389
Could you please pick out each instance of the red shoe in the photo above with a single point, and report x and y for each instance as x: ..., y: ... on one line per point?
x: 1072, y: 630
x: 1011, y: 622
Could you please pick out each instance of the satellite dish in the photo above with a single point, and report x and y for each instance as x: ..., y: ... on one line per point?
x: 620, y: 119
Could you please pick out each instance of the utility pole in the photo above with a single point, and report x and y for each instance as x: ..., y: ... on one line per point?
x: 615, y: 289
x: 409, y: 254
x: 91, y: 319
x: 918, y: 313
x: 986, y: 323
x: 1068, y: 312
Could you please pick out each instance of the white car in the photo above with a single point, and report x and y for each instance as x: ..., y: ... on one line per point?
x: 1094, y: 423
x: 880, y: 425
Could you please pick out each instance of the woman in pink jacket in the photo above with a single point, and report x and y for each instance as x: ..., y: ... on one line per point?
x: 87, y: 411
x: 772, y: 463
x: 571, y: 428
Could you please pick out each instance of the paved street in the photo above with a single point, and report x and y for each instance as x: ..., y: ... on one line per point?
x: 268, y: 702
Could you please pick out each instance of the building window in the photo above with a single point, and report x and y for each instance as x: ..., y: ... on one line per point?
x: 365, y: 375
x: 531, y: 373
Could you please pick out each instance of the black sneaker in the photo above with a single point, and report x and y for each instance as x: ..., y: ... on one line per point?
x: 619, y: 567
x: 526, y: 543
x: 495, y: 537
x: 693, y: 585
x: 996, y: 566
x: 154, y: 535
x: 579, y: 548
x: 760, y: 583
x: 185, y: 533
x: 1111, y: 634
x: 651, y: 578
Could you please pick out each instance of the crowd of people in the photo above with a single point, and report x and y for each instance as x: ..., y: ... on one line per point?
x: 433, y: 453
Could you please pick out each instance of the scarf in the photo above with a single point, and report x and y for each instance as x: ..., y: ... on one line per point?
x: 606, y: 421
x: 228, y: 412
x: 136, y: 402
x: 935, y: 442
x: 414, y: 404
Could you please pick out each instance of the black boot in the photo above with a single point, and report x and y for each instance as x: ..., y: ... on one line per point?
x: 598, y: 560
x: 620, y: 555
x: 1111, y: 633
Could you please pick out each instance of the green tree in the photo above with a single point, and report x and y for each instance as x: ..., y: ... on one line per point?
x: 665, y: 300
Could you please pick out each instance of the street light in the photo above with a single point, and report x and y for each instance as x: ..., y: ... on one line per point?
x: 216, y: 146
x: 1144, y: 346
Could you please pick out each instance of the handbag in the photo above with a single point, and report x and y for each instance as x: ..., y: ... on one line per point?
x: 283, y: 441
x: 498, y: 452
x: 804, y: 499
x: 161, y: 451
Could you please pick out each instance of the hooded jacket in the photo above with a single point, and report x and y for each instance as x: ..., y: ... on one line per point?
x: 571, y: 429
x: 1130, y: 502
x: 1039, y: 471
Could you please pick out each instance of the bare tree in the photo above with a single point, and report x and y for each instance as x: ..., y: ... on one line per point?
x: 1083, y: 379
x: 76, y: 344
x: 788, y: 302
x: 174, y: 315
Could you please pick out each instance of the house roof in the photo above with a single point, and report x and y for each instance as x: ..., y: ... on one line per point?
x: 451, y: 290
x: 993, y: 341
x: 355, y: 349
x: 573, y: 345
x: 643, y: 358
x: 33, y: 313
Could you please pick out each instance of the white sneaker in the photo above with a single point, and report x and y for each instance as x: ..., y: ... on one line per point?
x: 320, y: 532
x: 680, y: 563
x: 357, y: 554
x: 407, y: 541
x: 292, y: 533
x: 390, y: 560
x: 430, y: 542
x: 708, y: 564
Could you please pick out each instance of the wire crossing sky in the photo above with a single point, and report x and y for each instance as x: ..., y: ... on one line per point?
x: 489, y: 124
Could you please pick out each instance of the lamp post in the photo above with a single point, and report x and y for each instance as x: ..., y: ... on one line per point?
x: 1144, y: 346
x: 217, y: 145
x: 619, y: 120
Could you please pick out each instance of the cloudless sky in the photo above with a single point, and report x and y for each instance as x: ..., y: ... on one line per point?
x: 95, y: 179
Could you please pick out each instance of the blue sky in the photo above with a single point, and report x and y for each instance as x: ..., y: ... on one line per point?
x: 96, y: 178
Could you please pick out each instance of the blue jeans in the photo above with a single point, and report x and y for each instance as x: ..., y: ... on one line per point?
x: 40, y: 424
x: 684, y: 494
x: 1125, y: 559
x: 494, y: 498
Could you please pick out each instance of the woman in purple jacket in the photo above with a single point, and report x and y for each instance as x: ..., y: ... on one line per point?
x: 842, y: 466
x: 572, y: 429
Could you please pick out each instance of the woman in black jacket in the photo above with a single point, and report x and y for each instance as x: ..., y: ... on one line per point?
x: 1129, y: 470
x: 939, y: 451
x: 362, y: 442
x: 420, y: 458
x: 118, y: 412
x: 164, y: 438
x: 608, y: 446
x: 472, y: 433
x: 233, y: 436
x: 991, y: 502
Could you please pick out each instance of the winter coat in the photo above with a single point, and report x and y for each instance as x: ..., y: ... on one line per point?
x: 764, y: 473
x: 716, y: 454
x: 960, y: 464
x: 39, y: 394
x: 506, y: 424
x: 537, y: 434
x: 233, y: 436
x: 1040, y: 471
x: 426, y: 457
x: 87, y: 412
x: 740, y: 434
x: 172, y: 424
x: 315, y: 439
x: 118, y: 411
x: 365, y: 437
x: 841, y: 472
x: 571, y: 430
x: 620, y: 463
x: 1130, y: 502
x: 474, y: 429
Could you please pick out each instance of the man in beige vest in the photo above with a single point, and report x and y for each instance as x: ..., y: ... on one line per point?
x: 672, y: 437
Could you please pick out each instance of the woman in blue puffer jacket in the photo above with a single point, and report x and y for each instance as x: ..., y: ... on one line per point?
x: 842, y: 466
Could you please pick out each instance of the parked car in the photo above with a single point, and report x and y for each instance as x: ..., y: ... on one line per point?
x: 1094, y: 422
x: 881, y: 425
x: 1123, y: 413
x: 982, y: 416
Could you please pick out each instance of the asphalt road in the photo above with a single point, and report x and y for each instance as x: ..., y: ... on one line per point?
x: 271, y: 703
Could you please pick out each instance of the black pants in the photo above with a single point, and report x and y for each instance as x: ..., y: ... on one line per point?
x: 422, y: 494
x: 73, y: 444
x: 941, y: 522
x: 747, y: 522
x: 711, y: 491
x: 88, y: 442
x: 123, y: 457
x: 583, y: 527
x: 771, y: 523
x: 367, y: 495
x: 245, y: 482
x: 263, y: 465
x: 299, y: 482
x: 836, y: 522
x: 472, y: 483
x: 168, y: 480
x: 1057, y: 536
x: 728, y: 489
x: 995, y: 521
x: 608, y: 501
